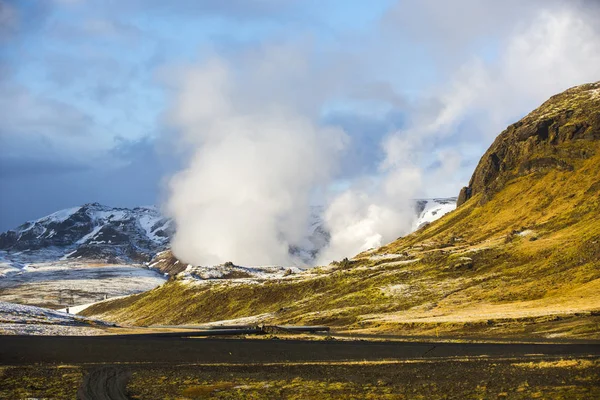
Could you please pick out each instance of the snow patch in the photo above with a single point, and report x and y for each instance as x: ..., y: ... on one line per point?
x: 62, y: 283
x: 237, y: 273
x: 17, y: 319
x: 434, y: 209
x: 108, y: 215
x: 81, y: 307
x: 58, y: 216
x: 526, y: 232
x: 90, y: 235
x: 68, y: 255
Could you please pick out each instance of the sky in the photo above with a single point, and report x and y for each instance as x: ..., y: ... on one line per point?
x: 359, y: 106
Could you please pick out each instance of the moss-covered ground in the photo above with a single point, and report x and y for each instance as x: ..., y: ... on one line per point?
x: 572, y: 378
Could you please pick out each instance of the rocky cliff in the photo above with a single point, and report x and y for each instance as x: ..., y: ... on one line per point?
x: 549, y: 138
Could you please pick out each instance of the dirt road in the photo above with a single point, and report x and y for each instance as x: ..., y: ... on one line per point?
x: 15, y: 350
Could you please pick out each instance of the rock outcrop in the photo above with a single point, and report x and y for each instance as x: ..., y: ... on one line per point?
x: 535, y: 144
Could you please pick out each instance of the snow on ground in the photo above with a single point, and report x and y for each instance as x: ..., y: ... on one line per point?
x: 148, y: 221
x: 17, y: 319
x: 48, y: 330
x: 80, y: 308
x: 114, y: 215
x: 18, y: 313
x: 237, y: 273
x: 90, y: 235
x: 386, y: 256
x: 526, y: 232
x: 61, y: 283
x: 58, y: 216
x: 22, y: 258
x: 8, y: 266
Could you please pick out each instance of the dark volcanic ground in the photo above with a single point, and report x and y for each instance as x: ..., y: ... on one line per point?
x: 152, y: 349
x: 122, y: 367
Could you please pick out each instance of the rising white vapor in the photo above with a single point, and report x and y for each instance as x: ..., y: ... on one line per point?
x: 259, y: 151
x: 245, y: 195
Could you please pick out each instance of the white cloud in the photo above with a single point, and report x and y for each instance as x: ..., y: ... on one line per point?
x: 259, y: 151
x: 458, y: 72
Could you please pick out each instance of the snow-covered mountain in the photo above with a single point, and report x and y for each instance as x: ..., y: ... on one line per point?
x: 92, y: 231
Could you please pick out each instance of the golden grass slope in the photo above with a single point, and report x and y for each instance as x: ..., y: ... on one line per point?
x: 523, y: 263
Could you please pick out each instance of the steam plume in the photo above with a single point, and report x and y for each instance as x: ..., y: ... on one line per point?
x: 245, y: 195
x: 260, y: 152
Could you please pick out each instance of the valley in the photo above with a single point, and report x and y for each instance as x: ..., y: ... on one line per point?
x: 78, y: 256
x: 303, y: 200
x: 505, y: 285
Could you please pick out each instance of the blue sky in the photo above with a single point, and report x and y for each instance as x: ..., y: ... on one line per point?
x: 86, y: 85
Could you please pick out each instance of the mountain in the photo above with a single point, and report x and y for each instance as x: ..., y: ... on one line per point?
x: 553, y: 137
x: 97, y: 232
x: 92, y: 231
x: 519, y: 258
x: 426, y: 211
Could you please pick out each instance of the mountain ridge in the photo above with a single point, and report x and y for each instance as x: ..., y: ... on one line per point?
x: 533, y: 143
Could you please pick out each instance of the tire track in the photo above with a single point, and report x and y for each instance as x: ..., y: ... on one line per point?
x: 105, y: 383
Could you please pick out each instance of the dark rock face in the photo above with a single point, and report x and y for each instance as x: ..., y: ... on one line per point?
x: 463, y: 196
x: 93, y: 231
x: 167, y: 263
x: 535, y: 144
x: 52, y: 230
x: 420, y: 206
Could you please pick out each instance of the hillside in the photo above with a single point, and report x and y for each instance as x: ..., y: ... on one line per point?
x: 17, y: 319
x: 519, y: 257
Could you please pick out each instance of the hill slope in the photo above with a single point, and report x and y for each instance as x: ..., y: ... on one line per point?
x: 519, y: 257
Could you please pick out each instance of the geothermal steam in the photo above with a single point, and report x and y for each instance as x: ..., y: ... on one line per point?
x: 257, y: 159
x: 259, y: 152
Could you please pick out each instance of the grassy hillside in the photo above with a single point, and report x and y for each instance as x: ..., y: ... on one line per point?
x: 522, y: 259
